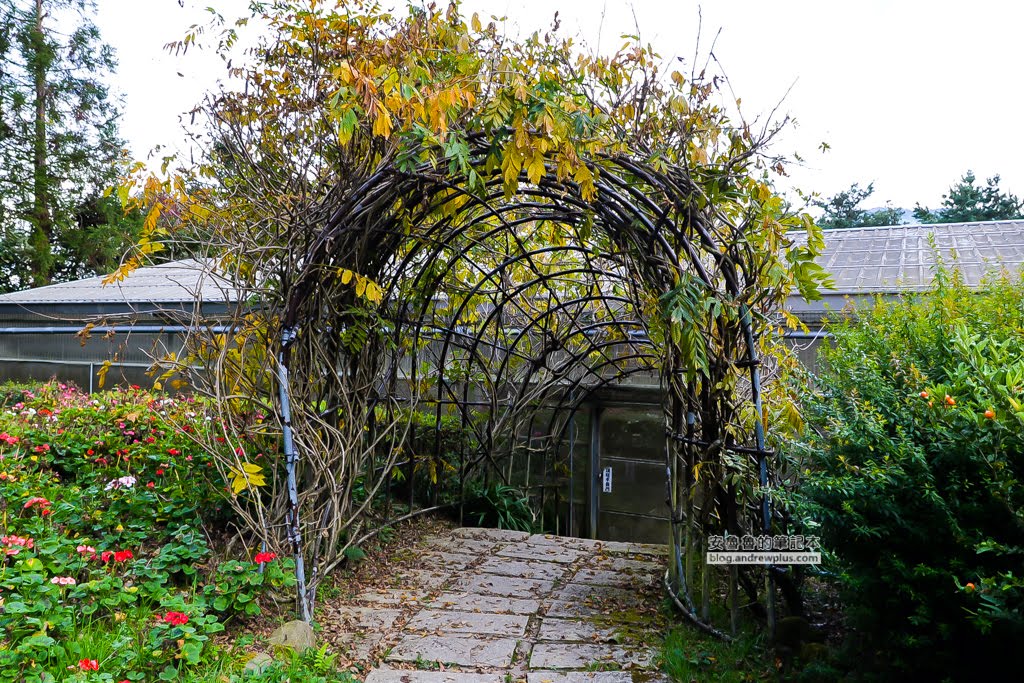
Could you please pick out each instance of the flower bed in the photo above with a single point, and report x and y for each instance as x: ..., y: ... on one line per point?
x: 109, y: 512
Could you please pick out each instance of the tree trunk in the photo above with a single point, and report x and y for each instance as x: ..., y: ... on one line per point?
x: 42, y: 221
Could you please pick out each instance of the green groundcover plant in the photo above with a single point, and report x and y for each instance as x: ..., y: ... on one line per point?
x: 106, y: 569
x: 911, y: 470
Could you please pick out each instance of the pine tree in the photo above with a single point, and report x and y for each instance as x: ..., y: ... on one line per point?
x: 59, y: 143
x: 970, y: 203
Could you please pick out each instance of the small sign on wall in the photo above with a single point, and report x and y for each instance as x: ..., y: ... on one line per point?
x: 606, y: 480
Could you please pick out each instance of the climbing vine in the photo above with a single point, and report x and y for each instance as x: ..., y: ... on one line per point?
x: 416, y: 212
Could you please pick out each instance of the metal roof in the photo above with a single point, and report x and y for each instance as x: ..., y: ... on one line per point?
x: 899, y: 258
x: 861, y: 261
x: 185, y: 281
x: 890, y: 260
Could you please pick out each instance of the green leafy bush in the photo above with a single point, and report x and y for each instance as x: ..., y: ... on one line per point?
x: 911, y: 474
x: 499, y: 506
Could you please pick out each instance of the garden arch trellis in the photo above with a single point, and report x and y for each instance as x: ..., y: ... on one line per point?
x: 631, y: 280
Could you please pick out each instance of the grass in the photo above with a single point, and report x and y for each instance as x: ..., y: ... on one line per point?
x: 689, y: 655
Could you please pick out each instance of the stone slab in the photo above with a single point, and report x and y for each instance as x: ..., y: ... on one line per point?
x: 583, y: 544
x: 572, y: 608
x: 625, y: 564
x: 448, y: 561
x: 391, y: 596
x: 583, y: 655
x: 623, y: 548
x: 543, y: 553
x: 507, y: 586
x: 496, y: 535
x: 593, y: 593
x: 481, y: 623
x: 426, y: 579
x: 594, y: 677
x: 460, y: 650
x: 576, y: 631
x: 408, y: 676
x: 470, y: 546
x: 527, y: 570
x: 364, y: 628
x: 603, y: 577
x: 471, y: 602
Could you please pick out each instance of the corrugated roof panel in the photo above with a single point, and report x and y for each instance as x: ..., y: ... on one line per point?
x: 882, y: 259
x: 175, y: 282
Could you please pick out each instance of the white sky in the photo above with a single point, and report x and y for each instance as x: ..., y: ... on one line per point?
x: 908, y: 93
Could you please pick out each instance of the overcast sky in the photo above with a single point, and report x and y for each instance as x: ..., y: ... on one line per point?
x: 908, y: 94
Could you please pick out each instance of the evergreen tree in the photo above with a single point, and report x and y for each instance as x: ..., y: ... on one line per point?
x: 842, y: 210
x: 969, y: 203
x: 59, y: 144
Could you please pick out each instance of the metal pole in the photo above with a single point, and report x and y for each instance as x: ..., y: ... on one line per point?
x: 291, y: 459
x: 762, y: 458
x: 595, y: 469
x: 572, y: 460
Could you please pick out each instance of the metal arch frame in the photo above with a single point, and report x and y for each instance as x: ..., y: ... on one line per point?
x: 657, y: 232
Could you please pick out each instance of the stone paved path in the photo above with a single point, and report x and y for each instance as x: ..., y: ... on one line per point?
x: 490, y: 606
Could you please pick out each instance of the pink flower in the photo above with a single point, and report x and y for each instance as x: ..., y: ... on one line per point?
x: 86, y: 550
x: 63, y: 581
x: 16, y: 543
x: 42, y: 503
x: 8, y: 439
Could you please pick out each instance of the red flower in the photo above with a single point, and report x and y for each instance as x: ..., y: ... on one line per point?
x: 90, y: 452
x: 176, y: 618
x: 150, y: 485
x: 173, y: 451
x: 42, y: 449
x: 123, y: 555
x: 36, y: 500
x: 107, y: 555
x: 88, y: 665
x: 159, y: 472
x: 264, y: 557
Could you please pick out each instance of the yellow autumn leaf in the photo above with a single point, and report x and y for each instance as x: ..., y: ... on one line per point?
x: 535, y: 171
x: 249, y: 476
x: 382, y: 122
